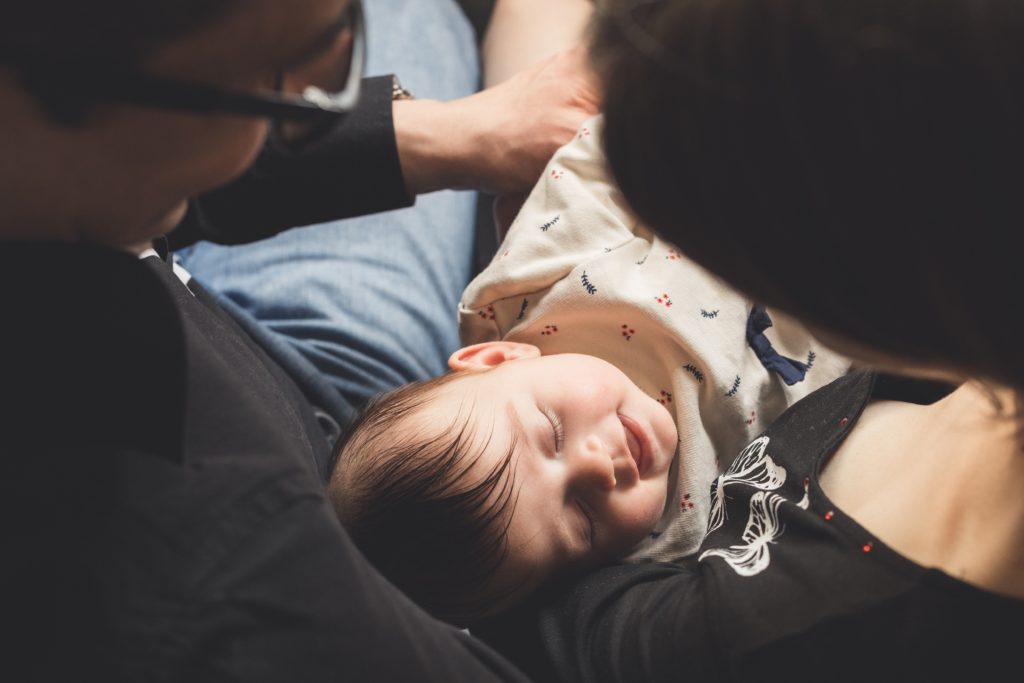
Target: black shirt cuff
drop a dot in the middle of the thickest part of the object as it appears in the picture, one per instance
(353, 170)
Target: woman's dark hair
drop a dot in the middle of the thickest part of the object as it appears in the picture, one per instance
(407, 498)
(857, 162)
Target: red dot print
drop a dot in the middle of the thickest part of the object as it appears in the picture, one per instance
(867, 547)
(845, 421)
(628, 332)
(829, 515)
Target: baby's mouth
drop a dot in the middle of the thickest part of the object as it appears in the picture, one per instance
(638, 444)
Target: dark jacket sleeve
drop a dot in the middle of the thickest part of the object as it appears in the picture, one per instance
(354, 170)
(640, 622)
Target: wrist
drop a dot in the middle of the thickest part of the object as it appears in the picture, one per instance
(429, 141)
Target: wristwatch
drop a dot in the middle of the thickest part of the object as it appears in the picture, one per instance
(398, 92)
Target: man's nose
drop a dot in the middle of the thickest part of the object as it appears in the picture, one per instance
(592, 464)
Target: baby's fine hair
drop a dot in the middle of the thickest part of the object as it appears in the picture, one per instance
(402, 491)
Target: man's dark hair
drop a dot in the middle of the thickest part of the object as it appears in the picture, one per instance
(75, 38)
(112, 32)
(406, 497)
(857, 162)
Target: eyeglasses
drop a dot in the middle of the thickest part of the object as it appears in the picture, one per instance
(328, 87)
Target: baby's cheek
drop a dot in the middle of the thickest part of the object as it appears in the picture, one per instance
(639, 514)
(655, 497)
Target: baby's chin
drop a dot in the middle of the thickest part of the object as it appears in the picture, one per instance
(635, 542)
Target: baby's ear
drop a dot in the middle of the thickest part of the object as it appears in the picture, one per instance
(490, 355)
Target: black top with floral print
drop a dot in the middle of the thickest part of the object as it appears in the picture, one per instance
(784, 586)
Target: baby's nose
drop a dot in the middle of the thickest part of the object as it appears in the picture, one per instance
(595, 464)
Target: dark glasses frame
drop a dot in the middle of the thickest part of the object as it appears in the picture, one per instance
(313, 106)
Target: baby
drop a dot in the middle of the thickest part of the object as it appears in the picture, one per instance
(606, 382)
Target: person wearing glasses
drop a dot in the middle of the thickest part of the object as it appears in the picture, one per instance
(857, 164)
(355, 308)
(165, 518)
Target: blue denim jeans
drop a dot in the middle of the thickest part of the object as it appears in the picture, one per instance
(356, 307)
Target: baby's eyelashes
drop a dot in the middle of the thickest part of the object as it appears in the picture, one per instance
(557, 431)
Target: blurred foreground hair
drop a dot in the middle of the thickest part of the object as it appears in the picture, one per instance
(856, 162)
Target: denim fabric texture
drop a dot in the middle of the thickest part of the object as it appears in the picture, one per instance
(356, 307)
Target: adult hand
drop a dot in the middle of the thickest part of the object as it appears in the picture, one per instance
(498, 140)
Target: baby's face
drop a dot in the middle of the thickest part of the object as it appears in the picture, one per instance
(591, 459)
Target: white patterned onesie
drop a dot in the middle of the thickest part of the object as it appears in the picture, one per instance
(578, 274)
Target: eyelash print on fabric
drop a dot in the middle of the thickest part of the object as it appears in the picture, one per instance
(811, 357)
(642, 261)
(551, 223)
(522, 309)
(709, 314)
(693, 370)
(735, 387)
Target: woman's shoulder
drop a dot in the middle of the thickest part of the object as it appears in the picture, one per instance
(824, 415)
(816, 417)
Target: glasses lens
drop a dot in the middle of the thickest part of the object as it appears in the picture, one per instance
(328, 71)
(331, 79)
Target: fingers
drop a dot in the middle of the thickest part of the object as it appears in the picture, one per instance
(498, 140)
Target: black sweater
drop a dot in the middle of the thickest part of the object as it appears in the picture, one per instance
(163, 516)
